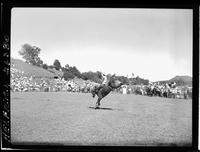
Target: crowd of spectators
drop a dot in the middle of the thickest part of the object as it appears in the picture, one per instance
(24, 83)
(21, 82)
(168, 90)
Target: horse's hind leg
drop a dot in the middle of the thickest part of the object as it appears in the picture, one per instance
(98, 103)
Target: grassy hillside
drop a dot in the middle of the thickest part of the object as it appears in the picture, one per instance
(56, 72)
(30, 69)
(180, 80)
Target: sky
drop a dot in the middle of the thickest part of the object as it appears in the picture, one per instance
(154, 44)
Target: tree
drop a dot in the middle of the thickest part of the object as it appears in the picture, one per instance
(93, 76)
(67, 75)
(39, 62)
(75, 71)
(67, 66)
(123, 79)
(57, 64)
(30, 54)
(45, 66)
(51, 66)
(62, 69)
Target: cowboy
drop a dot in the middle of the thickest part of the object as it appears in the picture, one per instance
(104, 78)
(104, 82)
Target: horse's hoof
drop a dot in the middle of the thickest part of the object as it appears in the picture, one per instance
(93, 94)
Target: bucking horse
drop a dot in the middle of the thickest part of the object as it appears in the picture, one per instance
(103, 90)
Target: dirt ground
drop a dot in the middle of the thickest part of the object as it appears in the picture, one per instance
(65, 118)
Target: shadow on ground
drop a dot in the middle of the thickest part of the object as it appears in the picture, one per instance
(101, 108)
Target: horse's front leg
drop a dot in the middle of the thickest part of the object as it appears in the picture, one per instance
(98, 103)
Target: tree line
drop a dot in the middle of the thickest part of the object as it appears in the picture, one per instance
(31, 56)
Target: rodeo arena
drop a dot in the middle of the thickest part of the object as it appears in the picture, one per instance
(23, 83)
(46, 108)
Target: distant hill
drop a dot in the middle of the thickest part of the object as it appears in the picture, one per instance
(31, 69)
(180, 80)
(183, 78)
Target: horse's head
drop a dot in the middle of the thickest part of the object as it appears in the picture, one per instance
(115, 83)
